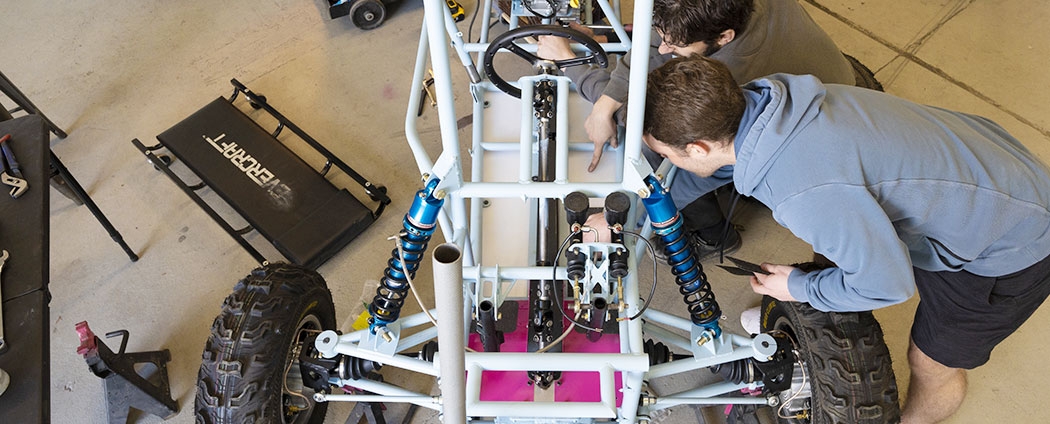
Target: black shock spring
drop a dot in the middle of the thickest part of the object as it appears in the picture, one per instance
(681, 256)
(393, 288)
(697, 294)
(419, 224)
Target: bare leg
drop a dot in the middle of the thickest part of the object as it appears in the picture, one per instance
(935, 391)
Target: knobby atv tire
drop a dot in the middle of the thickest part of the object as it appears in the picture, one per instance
(846, 359)
(253, 341)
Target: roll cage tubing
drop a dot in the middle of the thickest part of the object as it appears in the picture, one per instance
(443, 201)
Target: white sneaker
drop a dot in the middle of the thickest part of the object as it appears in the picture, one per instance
(751, 319)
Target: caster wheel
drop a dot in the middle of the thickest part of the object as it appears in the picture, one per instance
(165, 159)
(256, 105)
(367, 14)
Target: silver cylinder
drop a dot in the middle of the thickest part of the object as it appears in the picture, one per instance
(448, 297)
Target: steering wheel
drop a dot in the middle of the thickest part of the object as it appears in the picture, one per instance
(506, 40)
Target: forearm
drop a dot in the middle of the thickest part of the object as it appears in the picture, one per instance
(590, 81)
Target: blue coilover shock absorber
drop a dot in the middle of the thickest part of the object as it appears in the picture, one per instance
(681, 256)
(419, 222)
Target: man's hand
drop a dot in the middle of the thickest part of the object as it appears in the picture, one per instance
(775, 284)
(601, 232)
(601, 127)
(554, 48)
(557, 48)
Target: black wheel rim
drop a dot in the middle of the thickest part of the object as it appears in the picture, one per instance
(296, 400)
(783, 324)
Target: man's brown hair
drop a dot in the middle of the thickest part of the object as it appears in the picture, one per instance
(692, 98)
(684, 22)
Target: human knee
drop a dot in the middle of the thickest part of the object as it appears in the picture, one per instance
(923, 364)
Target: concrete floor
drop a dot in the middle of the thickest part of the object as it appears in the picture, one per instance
(111, 71)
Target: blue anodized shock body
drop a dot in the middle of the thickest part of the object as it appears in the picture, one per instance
(667, 222)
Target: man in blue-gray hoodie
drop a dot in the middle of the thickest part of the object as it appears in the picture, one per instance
(900, 196)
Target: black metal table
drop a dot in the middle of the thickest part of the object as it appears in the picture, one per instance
(24, 232)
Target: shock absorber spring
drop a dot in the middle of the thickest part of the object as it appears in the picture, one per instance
(681, 256)
(419, 225)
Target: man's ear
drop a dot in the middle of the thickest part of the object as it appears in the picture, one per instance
(700, 147)
(725, 37)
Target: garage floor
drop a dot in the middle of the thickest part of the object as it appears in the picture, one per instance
(109, 72)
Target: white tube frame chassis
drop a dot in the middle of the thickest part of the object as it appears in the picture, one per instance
(462, 231)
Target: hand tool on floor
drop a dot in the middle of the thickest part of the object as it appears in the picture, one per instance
(743, 267)
(3, 344)
(10, 173)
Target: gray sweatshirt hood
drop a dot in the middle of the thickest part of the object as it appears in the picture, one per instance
(758, 141)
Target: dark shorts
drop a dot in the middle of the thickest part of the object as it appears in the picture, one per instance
(962, 316)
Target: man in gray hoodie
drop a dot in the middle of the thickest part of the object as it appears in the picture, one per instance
(754, 38)
(900, 196)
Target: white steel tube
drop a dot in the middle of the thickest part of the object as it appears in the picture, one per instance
(541, 190)
(424, 401)
(415, 96)
(502, 146)
(434, 16)
(561, 171)
(643, 10)
(525, 142)
(448, 297)
(515, 272)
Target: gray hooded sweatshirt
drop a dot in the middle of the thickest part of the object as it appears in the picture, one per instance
(879, 184)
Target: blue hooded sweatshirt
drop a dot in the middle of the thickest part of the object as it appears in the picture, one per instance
(879, 184)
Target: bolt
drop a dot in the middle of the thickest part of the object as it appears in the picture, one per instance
(643, 193)
(704, 338)
(382, 331)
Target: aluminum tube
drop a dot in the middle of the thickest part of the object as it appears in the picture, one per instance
(415, 96)
(448, 294)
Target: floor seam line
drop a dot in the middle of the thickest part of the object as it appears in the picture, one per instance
(929, 67)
